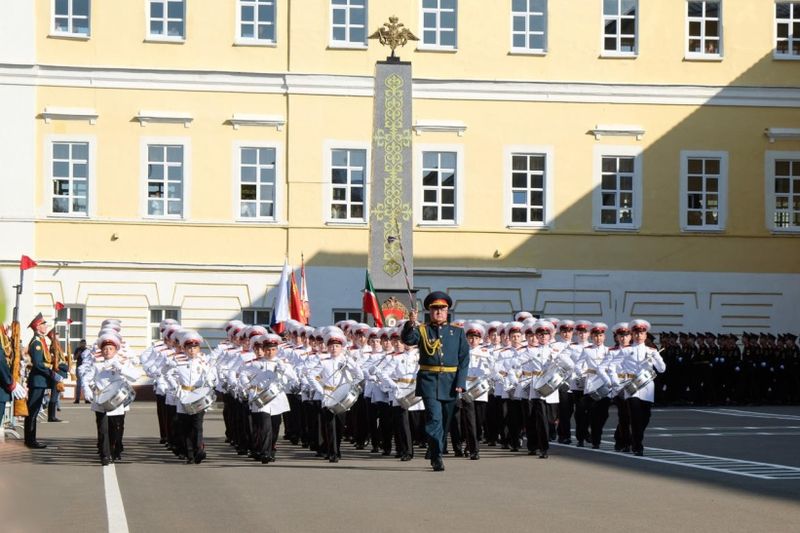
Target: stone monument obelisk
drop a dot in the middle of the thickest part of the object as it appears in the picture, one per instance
(391, 245)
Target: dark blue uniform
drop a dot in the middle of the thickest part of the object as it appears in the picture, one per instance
(441, 371)
(39, 380)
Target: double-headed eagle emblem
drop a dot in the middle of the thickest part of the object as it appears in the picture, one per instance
(393, 34)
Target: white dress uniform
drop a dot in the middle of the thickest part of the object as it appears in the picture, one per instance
(594, 364)
(100, 373)
(266, 372)
(189, 376)
(481, 366)
(636, 358)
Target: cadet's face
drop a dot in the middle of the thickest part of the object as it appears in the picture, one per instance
(41, 328)
(259, 350)
(494, 337)
(271, 352)
(598, 338)
(386, 345)
(374, 343)
(474, 341)
(583, 335)
(566, 334)
(516, 338)
(108, 351)
(543, 336)
(334, 348)
(639, 335)
(192, 351)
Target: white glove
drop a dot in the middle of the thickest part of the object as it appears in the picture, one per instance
(19, 392)
(88, 395)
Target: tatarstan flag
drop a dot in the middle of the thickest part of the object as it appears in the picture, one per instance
(370, 302)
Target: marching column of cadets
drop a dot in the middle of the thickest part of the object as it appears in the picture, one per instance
(265, 381)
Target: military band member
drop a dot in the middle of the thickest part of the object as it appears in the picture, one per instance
(335, 371)
(444, 363)
(267, 418)
(481, 367)
(637, 357)
(594, 365)
(622, 433)
(566, 399)
(40, 378)
(187, 378)
(99, 373)
(576, 380)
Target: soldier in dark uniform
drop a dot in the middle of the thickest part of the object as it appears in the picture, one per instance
(791, 356)
(443, 367)
(39, 380)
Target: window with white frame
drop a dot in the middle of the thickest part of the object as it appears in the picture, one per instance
(165, 179)
(529, 176)
(439, 177)
(349, 22)
(69, 174)
(348, 175)
(704, 177)
(619, 27)
(528, 25)
(617, 198)
(787, 29)
(157, 314)
(256, 21)
(783, 190)
(71, 17)
(439, 19)
(704, 28)
(167, 19)
(70, 327)
(257, 182)
(257, 315)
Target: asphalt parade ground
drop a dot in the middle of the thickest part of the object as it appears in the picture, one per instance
(704, 469)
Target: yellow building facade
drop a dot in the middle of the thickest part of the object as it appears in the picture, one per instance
(608, 159)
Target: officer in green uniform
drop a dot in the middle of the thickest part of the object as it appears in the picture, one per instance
(443, 367)
(39, 380)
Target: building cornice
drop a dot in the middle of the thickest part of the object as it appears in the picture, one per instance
(340, 85)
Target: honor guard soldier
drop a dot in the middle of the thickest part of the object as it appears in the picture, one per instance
(40, 378)
(9, 389)
(443, 366)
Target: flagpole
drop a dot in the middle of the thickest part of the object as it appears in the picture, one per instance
(390, 239)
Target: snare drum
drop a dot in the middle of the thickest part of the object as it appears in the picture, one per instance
(596, 388)
(642, 379)
(552, 379)
(407, 401)
(198, 400)
(118, 393)
(264, 396)
(342, 398)
(477, 390)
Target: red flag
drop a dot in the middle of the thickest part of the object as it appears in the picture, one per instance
(59, 306)
(370, 303)
(304, 291)
(295, 305)
(26, 262)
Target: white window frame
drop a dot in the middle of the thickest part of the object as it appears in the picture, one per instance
(255, 41)
(347, 43)
(461, 180)
(327, 167)
(145, 142)
(769, 188)
(236, 174)
(549, 179)
(155, 325)
(617, 151)
(702, 19)
(526, 49)
(64, 329)
(166, 37)
(436, 47)
(91, 200)
(618, 53)
(722, 192)
(349, 313)
(70, 34)
(789, 56)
